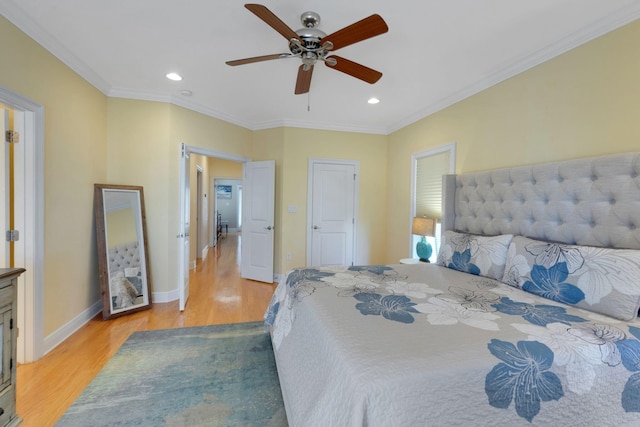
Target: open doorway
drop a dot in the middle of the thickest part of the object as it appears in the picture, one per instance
(228, 206)
(210, 204)
(258, 201)
(190, 158)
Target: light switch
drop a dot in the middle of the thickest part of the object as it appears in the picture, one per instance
(292, 209)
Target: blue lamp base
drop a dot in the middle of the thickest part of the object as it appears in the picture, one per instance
(424, 250)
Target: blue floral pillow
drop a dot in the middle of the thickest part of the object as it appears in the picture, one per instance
(479, 255)
(601, 280)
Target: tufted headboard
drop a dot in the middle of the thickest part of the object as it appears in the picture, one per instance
(124, 256)
(591, 201)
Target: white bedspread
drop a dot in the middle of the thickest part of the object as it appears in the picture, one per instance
(423, 345)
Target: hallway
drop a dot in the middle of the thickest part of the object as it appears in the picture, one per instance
(46, 388)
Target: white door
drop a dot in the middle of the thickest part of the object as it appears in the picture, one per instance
(184, 230)
(258, 198)
(332, 193)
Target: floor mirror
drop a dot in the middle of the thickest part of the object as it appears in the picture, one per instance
(123, 260)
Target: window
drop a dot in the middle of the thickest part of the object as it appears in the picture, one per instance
(428, 168)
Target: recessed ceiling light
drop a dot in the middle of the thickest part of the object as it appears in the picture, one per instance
(373, 100)
(174, 76)
(185, 92)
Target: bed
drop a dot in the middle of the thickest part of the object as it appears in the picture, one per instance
(530, 316)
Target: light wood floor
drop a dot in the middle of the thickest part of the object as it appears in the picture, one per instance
(46, 388)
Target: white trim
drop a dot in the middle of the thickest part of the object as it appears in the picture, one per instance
(190, 149)
(183, 219)
(33, 306)
(69, 328)
(305, 124)
(451, 148)
(356, 201)
(161, 297)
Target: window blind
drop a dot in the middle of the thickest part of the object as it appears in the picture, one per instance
(429, 171)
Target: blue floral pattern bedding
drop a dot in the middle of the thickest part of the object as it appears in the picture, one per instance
(410, 344)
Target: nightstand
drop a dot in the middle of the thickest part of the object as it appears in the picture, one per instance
(409, 261)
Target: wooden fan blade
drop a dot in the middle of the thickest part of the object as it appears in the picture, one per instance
(303, 83)
(354, 69)
(257, 59)
(369, 27)
(272, 20)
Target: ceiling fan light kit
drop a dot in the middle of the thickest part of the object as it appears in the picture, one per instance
(312, 45)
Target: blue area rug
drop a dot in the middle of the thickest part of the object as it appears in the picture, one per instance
(221, 375)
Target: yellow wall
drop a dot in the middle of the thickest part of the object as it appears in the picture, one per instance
(583, 103)
(144, 149)
(139, 154)
(75, 148)
(221, 168)
(300, 145)
(291, 149)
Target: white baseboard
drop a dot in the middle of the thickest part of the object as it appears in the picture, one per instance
(56, 338)
(160, 297)
(205, 251)
(53, 340)
(193, 265)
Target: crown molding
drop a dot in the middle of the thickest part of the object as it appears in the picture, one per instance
(18, 18)
(317, 126)
(614, 21)
(622, 17)
(171, 99)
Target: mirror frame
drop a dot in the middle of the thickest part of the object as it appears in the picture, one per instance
(108, 311)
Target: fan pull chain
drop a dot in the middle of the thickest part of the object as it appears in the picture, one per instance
(308, 101)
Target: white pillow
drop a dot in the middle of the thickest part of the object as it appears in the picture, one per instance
(131, 271)
(480, 255)
(601, 280)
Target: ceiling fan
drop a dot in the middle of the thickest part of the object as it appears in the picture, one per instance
(312, 45)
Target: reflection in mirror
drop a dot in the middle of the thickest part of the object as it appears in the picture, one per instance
(122, 249)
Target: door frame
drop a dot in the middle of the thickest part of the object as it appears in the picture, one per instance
(31, 296)
(184, 198)
(356, 201)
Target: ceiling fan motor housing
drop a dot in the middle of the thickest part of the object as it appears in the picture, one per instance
(309, 43)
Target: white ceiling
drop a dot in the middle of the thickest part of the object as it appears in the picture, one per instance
(436, 52)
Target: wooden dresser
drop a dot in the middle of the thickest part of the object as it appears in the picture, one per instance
(8, 336)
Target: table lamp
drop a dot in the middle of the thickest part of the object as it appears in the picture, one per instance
(423, 227)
